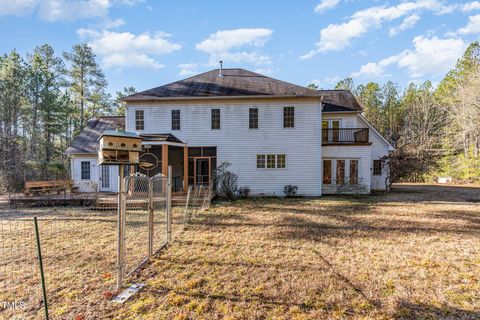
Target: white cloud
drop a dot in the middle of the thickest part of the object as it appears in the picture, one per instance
(225, 40)
(408, 23)
(471, 6)
(472, 27)
(240, 57)
(124, 49)
(63, 10)
(236, 46)
(17, 7)
(188, 69)
(328, 82)
(375, 69)
(431, 56)
(130, 2)
(325, 5)
(112, 24)
(336, 37)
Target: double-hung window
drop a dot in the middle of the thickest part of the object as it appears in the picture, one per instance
(253, 118)
(139, 120)
(377, 167)
(288, 117)
(215, 119)
(85, 170)
(175, 119)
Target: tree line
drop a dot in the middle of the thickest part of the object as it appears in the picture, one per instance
(435, 130)
(47, 98)
(45, 101)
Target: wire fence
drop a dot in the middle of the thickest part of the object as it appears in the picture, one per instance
(79, 257)
(80, 249)
(198, 199)
(146, 227)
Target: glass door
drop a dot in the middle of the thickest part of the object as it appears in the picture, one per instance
(104, 178)
(202, 171)
(331, 130)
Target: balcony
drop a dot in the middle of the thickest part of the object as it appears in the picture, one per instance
(345, 136)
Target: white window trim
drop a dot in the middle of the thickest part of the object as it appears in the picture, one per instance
(294, 117)
(258, 118)
(135, 119)
(179, 118)
(220, 118)
(89, 170)
(330, 120)
(276, 162)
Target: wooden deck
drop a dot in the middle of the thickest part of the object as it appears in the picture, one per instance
(66, 199)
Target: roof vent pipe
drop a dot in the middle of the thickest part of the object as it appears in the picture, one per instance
(221, 68)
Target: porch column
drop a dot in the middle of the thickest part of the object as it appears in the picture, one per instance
(165, 159)
(185, 168)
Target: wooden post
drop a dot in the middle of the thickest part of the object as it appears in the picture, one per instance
(185, 168)
(150, 218)
(169, 204)
(165, 159)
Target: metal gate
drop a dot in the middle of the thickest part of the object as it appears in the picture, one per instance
(144, 221)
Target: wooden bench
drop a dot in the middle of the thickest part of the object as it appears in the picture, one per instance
(44, 187)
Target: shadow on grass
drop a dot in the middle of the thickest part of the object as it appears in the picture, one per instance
(406, 310)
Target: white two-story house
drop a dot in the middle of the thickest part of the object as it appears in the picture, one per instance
(273, 134)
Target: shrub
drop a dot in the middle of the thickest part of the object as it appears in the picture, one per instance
(226, 181)
(290, 190)
(243, 192)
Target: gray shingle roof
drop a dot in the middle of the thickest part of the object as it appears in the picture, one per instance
(240, 83)
(87, 140)
(233, 83)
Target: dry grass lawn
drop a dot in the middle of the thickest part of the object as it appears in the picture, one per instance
(412, 254)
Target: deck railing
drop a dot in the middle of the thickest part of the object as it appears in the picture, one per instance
(345, 136)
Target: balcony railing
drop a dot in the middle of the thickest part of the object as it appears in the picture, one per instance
(345, 136)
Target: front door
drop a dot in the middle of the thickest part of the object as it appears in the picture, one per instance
(202, 171)
(104, 178)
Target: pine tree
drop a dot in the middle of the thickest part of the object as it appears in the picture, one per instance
(119, 108)
(85, 78)
(12, 103)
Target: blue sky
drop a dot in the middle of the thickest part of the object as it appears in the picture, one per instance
(144, 43)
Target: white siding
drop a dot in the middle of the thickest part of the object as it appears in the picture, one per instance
(361, 153)
(76, 172)
(239, 145)
(379, 150)
(92, 184)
